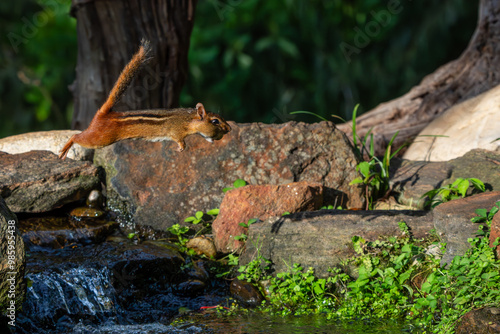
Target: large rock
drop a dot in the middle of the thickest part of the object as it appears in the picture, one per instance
(452, 221)
(159, 186)
(52, 141)
(39, 181)
(12, 265)
(412, 179)
(323, 239)
(261, 202)
(469, 125)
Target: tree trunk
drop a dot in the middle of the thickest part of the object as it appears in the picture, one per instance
(109, 33)
(476, 71)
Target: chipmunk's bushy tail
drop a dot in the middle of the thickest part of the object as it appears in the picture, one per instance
(141, 57)
(129, 72)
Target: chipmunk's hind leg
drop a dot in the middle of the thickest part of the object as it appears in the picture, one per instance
(65, 149)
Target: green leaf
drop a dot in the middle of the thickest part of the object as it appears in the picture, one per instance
(364, 168)
(251, 221)
(354, 134)
(308, 113)
(319, 287)
(478, 184)
(239, 183)
(288, 47)
(482, 212)
(356, 181)
(462, 187)
(199, 215)
(244, 60)
(213, 212)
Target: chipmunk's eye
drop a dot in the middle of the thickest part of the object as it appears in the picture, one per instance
(215, 121)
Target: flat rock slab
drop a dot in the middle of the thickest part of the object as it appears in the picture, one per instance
(159, 186)
(452, 221)
(58, 232)
(412, 179)
(322, 239)
(38, 181)
(52, 141)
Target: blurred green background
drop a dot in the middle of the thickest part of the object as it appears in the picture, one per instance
(251, 60)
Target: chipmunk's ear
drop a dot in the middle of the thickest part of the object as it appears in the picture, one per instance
(200, 109)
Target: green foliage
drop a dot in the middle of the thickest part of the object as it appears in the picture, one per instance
(199, 217)
(486, 216)
(457, 189)
(397, 278)
(243, 236)
(299, 292)
(292, 60)
(233, 260)
(256, 270)
(179, 231)
(38, 58)
(375, 172)
(236, 184)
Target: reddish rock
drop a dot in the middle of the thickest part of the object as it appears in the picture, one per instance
(155, 185)
(495, 231)
(39, 181)
(261, 202)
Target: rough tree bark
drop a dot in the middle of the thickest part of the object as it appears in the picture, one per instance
(474, 72)
(109, 32)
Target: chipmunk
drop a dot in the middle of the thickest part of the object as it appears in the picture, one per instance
(108, 126)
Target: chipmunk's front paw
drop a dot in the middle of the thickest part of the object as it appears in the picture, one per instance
(181, 146)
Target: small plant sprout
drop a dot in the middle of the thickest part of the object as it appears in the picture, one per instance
(243, 236)
(199, 217)
(236, 184)
(375, 172)
(179, 231)
(457, 189)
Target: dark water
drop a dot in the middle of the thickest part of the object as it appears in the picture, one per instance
(262, 323)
